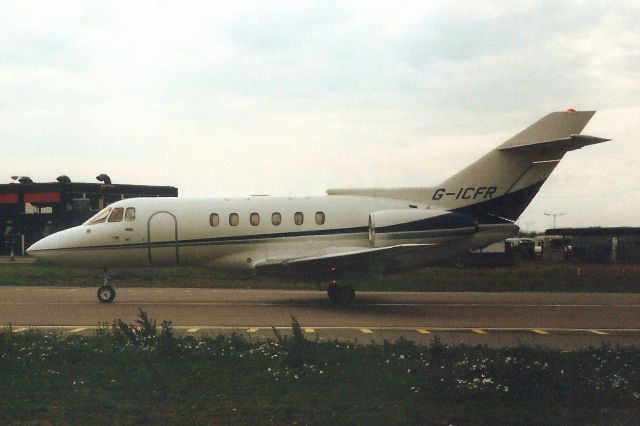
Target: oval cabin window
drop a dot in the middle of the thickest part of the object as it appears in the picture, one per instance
(319, 218)
(234, 219)
(276, 218)
(214, 219)
(254, 219)
(298, 218)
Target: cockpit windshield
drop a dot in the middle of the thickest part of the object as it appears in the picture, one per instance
(116, 215)
(110, 214)
(100, 217)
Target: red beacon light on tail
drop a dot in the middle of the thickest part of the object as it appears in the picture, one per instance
(571, 111)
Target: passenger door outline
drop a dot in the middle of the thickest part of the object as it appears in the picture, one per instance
(167, 251)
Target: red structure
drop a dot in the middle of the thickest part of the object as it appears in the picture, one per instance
(29, 211)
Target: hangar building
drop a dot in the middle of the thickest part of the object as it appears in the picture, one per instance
(602, 244)
(30, 211)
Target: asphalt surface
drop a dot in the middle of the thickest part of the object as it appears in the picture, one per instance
(562, 320)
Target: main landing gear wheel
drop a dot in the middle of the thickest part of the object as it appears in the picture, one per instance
(106, 294)
(341, 295)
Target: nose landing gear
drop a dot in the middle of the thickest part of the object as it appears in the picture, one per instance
(107, 292)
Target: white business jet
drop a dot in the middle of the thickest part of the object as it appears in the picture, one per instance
(337, 237)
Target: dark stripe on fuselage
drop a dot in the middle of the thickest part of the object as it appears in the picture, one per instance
(444, 221)
(449, 222)
(219, 240)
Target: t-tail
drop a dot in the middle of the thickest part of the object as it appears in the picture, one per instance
(499, 186)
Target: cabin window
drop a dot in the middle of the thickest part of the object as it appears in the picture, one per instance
(116, 215)
(319, 218)
(214, 219)
(254, 219)
(99, 217)
(130, 214)
(298, 218)
(276, 218)
(234, 219)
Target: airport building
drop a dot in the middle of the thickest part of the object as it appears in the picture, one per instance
(30, 211)
(601, 244)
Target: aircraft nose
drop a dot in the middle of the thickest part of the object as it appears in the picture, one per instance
(33, 248)
(39, 247)
(51, 248)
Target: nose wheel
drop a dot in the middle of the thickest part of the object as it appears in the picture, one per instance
(107, 292)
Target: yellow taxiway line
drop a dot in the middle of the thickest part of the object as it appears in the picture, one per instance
(540, 331)
(362, 328)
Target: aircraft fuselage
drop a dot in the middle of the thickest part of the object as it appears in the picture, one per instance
(238, 233)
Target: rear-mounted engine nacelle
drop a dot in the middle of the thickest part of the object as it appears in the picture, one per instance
(412, 225)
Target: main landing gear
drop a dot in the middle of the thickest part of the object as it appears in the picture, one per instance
(107, 292)
(340, 294)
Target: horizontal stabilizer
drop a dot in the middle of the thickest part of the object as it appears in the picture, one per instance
(565, 144)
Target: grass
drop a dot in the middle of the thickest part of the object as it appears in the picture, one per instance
(143, 374)
(527, 276)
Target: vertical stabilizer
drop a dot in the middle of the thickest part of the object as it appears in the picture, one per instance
(501, 184)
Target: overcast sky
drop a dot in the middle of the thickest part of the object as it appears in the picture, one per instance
(292, 98)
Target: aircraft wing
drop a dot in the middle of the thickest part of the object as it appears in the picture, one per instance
(355, 260)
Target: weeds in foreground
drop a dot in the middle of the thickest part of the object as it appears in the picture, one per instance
(142, 369)
(145, 334)
(296, 347)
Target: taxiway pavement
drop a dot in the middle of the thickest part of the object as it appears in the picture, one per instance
(563, 320)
